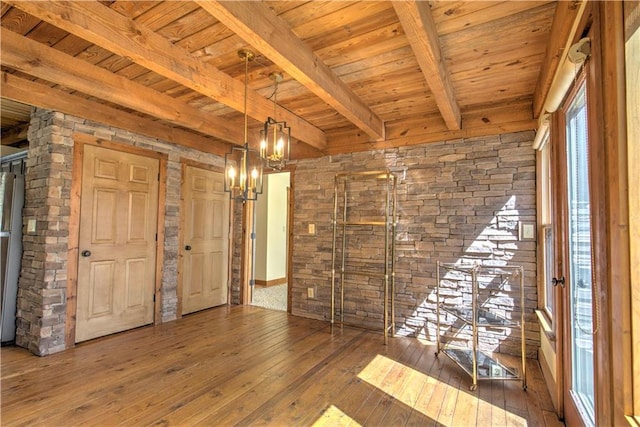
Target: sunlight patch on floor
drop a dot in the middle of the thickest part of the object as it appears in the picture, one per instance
(335, 417)
(424, 393)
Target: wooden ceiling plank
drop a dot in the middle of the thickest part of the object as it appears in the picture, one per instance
(36, 59)
(368, 45)
(259, 26)
(42, 96)
(72, 45)
(523, 28)
(19, 21)
(420, 29)
(164, 13)
(203, 42)
(47, 34)
(132, 8)
(343, 19)
(359, 27)
(458, 16)
(120, 35)
(187, 25)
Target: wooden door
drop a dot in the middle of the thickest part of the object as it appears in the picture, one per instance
(205, 253)
(117, 242)
(579, 198)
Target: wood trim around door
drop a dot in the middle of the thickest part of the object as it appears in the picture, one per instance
(247, 219)
(162, 198)
(79, 141)
(558, 209)
(246, 256)
(291, 199)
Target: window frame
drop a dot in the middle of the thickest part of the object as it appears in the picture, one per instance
(546, 296)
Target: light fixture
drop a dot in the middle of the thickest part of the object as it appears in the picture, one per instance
(243, 165)
(275, 138)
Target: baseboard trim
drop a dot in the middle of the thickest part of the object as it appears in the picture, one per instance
(274, 282)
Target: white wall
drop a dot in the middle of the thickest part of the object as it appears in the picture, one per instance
(261, 231)
(271, 228)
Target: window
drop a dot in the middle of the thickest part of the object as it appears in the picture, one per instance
(546, 300)
(548, 294)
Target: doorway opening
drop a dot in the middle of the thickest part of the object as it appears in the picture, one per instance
(271, 285)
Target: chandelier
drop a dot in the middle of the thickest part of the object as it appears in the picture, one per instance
(275, 137)
(243, 165)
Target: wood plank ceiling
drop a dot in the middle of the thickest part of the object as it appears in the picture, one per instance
(357, 75)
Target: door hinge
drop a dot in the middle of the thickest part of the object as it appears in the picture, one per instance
(156, 237)
(158, 176)
(154, 297)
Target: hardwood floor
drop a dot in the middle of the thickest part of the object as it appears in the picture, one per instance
(250, 366)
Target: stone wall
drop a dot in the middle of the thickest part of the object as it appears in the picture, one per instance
(458, 202)
(42, 307)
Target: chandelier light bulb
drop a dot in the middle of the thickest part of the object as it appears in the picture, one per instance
(232, 175)
(280, 148)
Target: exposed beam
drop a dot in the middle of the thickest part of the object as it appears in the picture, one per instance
(417, 22)
(259, 26)
(482, 120)
(15, 134)
(40, 61)
(107, 28)
(39, 95)
(563, 31)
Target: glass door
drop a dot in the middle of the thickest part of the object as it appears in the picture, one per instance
(580, 268)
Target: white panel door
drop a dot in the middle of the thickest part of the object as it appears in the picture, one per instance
(206, 240)
(117, 244)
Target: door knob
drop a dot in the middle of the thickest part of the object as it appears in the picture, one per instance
(187, 248)
(86, 253)
(557, 282)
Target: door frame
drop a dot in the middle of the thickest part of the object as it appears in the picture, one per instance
(184, 163)
(607, 181)
(569, 410)
(247, 256)
(79, 142)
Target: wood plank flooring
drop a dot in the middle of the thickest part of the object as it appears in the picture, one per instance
(249, 366)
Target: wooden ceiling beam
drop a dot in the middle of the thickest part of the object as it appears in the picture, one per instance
(480, 121)
(38, 60)
(14, 134)
(107, 28)
(39, 95)
(417, 22)
(255, 23)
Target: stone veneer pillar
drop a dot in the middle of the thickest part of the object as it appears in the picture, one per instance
(41, 310)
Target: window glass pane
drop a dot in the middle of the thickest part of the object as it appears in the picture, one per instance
(580, 261)
(547, 234)
(548, 270)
